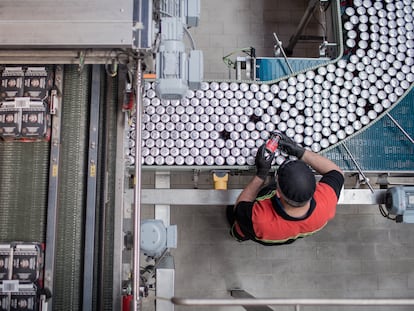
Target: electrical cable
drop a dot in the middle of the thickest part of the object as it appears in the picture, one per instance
(190, 37)
(113, 71)
(385, 214)
(229, 63)
(156, 43)
(114, 60)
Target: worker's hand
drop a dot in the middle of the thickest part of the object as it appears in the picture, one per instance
(263, 162)
(286, 144)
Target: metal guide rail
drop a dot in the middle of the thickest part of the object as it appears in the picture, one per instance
(224, 122)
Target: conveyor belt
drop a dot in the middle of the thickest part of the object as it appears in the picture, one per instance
(274, 68)
(72, 192)
(24, 190)
(24, 168)
(382, 147)
(107, 199)
(24, 180)
(223, 123)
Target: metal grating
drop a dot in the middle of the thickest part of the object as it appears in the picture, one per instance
(382, 147)
(103, 282)
(272, 68)
(24, 181)
(72, 191)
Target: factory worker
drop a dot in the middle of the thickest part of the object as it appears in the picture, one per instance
(294, 205)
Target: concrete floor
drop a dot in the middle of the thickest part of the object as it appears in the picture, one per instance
(359, 254)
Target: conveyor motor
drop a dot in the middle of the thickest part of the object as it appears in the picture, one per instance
(400, 202)
(177, 70)
(156, 238)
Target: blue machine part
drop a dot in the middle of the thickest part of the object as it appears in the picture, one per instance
(272, 68)
(156, 238)
(400, 202)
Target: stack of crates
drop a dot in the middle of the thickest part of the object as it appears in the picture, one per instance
(21, 276)
(24, 103)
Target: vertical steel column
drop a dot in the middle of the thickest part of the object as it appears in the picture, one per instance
(137, 302)
(88, 264)
(50, 252)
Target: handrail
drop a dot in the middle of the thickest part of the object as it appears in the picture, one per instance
(137, 189)
(291, 302)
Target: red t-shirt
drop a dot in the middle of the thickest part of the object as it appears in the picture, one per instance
(266, 222)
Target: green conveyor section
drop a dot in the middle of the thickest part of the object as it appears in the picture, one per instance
(24, 171)
(72, 189)
(106, 201)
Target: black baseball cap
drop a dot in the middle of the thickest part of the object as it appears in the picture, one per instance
(296, 182)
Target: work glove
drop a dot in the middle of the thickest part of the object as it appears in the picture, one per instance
(263, 162)
(287, 145)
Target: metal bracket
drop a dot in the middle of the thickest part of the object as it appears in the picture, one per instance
(359, 180)
(324, 47)
(196, 175)
(382, 181)
(81, 58)
(365, 178)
